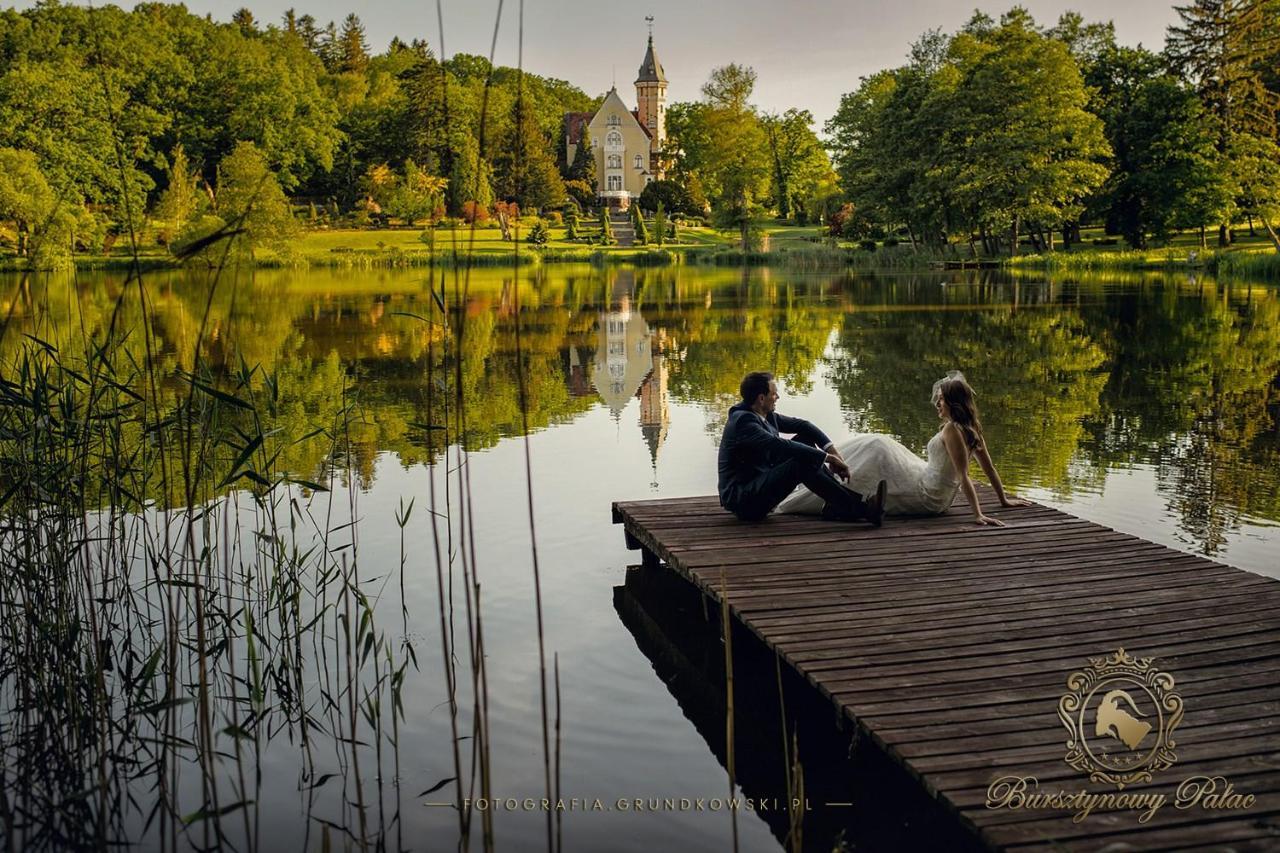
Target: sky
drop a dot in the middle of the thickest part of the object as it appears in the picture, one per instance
(807, 53)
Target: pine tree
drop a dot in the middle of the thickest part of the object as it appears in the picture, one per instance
(584, 161)
(243, 19)
(637, 219)
(524, 169)
(310, 34)
(353, 52)
(659, 225)
(328, 48)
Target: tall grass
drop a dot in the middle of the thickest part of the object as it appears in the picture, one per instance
(1255, 265)
(177, 603)
(1089, 260)
(158, 627)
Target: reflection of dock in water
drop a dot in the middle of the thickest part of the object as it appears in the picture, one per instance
(854, 793)
(949, 646)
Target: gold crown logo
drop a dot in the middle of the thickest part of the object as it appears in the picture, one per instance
(1120, 713)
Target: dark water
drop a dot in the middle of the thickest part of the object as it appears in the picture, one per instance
(1149, 404)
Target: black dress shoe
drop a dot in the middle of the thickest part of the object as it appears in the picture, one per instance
(873, 507)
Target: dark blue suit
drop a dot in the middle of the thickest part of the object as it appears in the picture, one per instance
(758, 467)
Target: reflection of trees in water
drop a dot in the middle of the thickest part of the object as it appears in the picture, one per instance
(1036, 373)
(307, 352)
(1072, 378)
(1194, 390)
(758, 325)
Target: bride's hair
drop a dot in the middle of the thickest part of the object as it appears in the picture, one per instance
(960, 401)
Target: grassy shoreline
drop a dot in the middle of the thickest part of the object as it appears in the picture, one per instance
(788, 246)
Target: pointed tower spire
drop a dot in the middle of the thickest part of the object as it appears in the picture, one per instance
(650, 67)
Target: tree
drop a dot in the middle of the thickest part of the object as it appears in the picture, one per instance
(180, 199)
(799, 163)
(606, 230)
(42, 219)
(250, 198)
(734, 158)
(571, 223)
(539, 234)
(670, 195)
(637, 221)
(583, 167)
(580, 193)
(1036, 151)
(243, 19)
(659, 225)
(411, 196)
(985, 130)
(1166, 174)
(353, 50)
(524, 169)
(729, 88)
(266, 90)
(1228, 49)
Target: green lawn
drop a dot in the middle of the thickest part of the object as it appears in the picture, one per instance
(377, 246)
(318, 246)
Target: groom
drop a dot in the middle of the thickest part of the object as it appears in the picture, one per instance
(758, 467)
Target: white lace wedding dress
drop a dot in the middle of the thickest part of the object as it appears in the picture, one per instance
(915, 486)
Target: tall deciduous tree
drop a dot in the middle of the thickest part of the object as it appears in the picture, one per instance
(986, 130)
(723, 144)
(1166, 173)
(42, 220)
(799, 163)
(250, 198)
(1228, 49)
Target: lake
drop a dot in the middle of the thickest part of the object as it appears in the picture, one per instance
(474, 427)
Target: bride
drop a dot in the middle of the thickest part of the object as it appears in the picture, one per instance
(917, 486)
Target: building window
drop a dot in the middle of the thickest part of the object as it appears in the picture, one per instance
(615, 182)
(614, 139)
(614, 161)
(639, 161)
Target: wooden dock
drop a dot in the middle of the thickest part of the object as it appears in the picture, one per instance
(950, 645)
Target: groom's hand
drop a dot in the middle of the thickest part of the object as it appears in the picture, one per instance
(837, 466)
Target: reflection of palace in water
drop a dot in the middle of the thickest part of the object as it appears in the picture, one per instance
(629, 363)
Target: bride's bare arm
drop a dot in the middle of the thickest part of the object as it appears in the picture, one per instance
(989, 468)
(954, 441)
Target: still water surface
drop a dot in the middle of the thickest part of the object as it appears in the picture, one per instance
(1148, 404)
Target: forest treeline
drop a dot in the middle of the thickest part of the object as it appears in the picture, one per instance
(1007, 128)
(1003, 131)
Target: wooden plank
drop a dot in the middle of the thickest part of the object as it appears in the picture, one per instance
(948, 645)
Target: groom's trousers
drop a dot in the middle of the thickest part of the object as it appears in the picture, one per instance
(756, 498)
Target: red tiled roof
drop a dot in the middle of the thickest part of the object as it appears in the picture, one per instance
(573, 124)
(636, 113)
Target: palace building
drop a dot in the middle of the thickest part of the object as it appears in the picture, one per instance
(626, 142)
